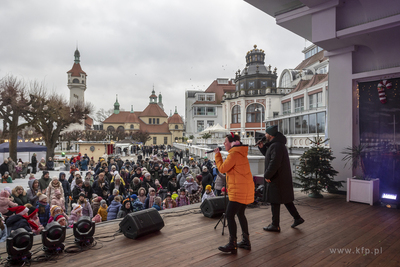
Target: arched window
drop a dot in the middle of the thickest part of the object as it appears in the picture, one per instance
(253, 113)
(132, 127)
(75, 81)
(236, 114)
(110, 129)
(121, 128)
(285, 80)
(176, 127)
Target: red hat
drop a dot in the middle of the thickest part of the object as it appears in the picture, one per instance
(19, 210)
(59, 218)
(223, 189)
(99, 199)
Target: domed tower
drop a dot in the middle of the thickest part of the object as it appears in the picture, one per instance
(116, 105)
(256, 78)
(76, 81)
(160, 103)
(153, 97)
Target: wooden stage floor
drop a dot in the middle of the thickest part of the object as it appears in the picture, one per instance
(335, 233)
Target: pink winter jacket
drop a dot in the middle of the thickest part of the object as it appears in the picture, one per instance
(5, 202)
(58, 202)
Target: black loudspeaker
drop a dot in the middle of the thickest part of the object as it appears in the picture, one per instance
(214, 206)
(141, 223)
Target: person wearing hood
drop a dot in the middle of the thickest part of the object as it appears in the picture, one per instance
(240, 186)
(181, 178)
(164, 178)
(113, 209)
(156, 172)
(58, 200)
(207, 194)
(6, 178)
(44, 181)
(207, 178)
(118, 184)
(6, 202)
(19, 220)
(148, 203)
(66, 187)
(32, 191)
(42, 164)
(19, 195)
(278, 181)
(54, 185)
(96, 203)
(77, 175)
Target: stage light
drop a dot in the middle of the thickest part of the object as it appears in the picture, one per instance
(19, 244)
(53, 237)
(84, 231)
(390, 200)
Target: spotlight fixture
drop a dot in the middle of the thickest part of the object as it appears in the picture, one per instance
(84, 231)
(53, 237)
(390, 200)
(19, 244)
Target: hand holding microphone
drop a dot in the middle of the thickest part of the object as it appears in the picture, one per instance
(216, 150)
(260, 143)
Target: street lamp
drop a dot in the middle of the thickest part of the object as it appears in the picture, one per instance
(243, 133)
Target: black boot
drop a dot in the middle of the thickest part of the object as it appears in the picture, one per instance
(245, 243)
(230, 247)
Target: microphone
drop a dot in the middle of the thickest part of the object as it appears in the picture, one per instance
(211, 151)
(262, 140)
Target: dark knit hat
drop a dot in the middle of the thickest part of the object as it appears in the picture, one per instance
(82, 194)
(272, 130)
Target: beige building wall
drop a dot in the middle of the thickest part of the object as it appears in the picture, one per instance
(160, 139)
(99, 150)
(146, 119)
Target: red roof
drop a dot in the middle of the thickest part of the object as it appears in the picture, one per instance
(76, 70)
(153, 110)
(89, 121)
(176, 119)
(316, 79)
(123, 117)
(219, 90)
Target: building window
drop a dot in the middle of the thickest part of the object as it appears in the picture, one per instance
(304, 126)
(321, 122)
(75, 81)
(251, 85)
(312, 123)
(285, 80)
(201, 97)
(299, 104)
(211, 111)
(297, 124)
(110, 129)
(264, 84)
(315, 100)
(210, 123)
(132, 126)
(165, 140)
(200, 126)
(253, 113)
(158, 121)
(150, 121)
(291, 125)
(236, 114)
(154, 140)
(154, 121)
(176, 127)
(275, 114)
(210, 97)
(121, 128)
(286, 108)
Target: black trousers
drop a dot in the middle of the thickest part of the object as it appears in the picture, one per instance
(276, 210)
(236, 208)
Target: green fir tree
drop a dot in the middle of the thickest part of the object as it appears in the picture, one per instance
(315, 171)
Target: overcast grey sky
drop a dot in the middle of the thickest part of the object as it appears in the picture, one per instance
(127, 46)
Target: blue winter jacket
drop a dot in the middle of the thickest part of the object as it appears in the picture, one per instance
(137, 205)
(44, 217)
(113, 210)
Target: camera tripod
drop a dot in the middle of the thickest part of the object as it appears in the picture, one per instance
(223, 216)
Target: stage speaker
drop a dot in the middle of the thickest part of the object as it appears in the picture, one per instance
(141, 223)
(214, 206)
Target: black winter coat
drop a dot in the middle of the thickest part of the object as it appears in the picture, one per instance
(147, 184)
(15, 222)
(277, 169)
(121, 189)
(98, 190)
(3, 168)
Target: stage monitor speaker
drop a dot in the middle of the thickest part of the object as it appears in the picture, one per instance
(212, 207)
(141, 223)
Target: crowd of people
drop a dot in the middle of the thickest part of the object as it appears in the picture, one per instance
(106, 190)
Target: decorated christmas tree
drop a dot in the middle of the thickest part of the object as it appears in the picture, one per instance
(315, 171)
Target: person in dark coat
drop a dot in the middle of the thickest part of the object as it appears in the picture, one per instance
(44, 181)
(50, 164)
(147, 182)
(278, 178)
(66, 187)
(100, 186)
(207, 178)
(34, 163)
(4, 167)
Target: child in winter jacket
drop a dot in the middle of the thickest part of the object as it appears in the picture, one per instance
(34, 221)
(58, 200)
(44, 209)
(208, 193)
(182, 200)
(55, 211)
(86, 208)
(53, 186)
(5, 202)
(76, 214)
(113, 209)
(96, 204)
(157, 204)
(6, 178)
(103, 210)
(168, 202)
